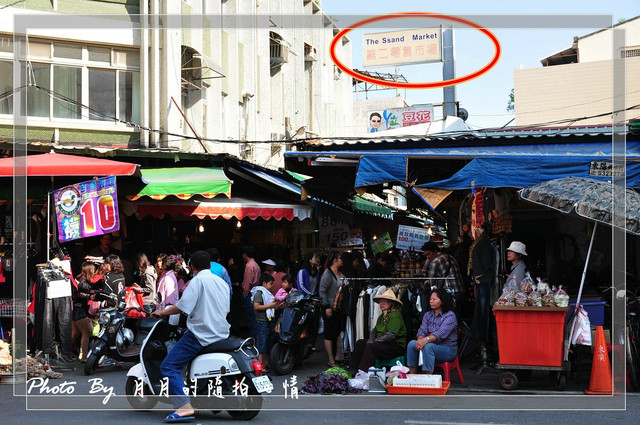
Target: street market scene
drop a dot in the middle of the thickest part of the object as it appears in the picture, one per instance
(293, 211)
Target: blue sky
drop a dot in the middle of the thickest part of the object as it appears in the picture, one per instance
(485, 98)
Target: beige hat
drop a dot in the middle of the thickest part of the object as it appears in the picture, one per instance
(518, 247)
(387, 295)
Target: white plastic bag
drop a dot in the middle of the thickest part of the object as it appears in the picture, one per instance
(581, 328)
(360, 381)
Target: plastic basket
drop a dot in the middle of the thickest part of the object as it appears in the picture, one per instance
(530, 336)
(394, 389)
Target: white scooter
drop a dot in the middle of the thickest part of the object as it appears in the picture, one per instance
(225, 375)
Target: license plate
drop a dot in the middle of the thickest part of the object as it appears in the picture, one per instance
(263, 384)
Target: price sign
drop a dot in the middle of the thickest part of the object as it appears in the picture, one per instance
(382, 244)
(333, 232)
(355, 238)
(87, 209)
(411, 238)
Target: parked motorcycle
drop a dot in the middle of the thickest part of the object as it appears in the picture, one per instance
(219, 370)
(114, 340)
(296, 332)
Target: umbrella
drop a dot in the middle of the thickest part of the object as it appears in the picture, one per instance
(589, 198)
(57, 164)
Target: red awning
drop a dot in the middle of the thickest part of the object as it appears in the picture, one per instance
(226, 208)
(57, 164)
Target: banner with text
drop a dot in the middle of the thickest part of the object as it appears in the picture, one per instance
(332, 232)
(87, 209)
(411, 238)
(401, 47)
(399, 117)
(382, 243)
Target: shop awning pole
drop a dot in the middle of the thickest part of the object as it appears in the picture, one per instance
(586, 264)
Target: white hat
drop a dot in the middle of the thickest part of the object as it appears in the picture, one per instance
(269, 262)
(518, 247)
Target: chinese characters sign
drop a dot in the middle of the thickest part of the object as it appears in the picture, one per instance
(400, 117)
(382, 243)
(87, 209)
(606, 169)
(411, 238)
(401, 47)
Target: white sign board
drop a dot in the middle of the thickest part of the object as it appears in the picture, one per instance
(411, 238)
(333, 232)
(402, 47)
(400, 117)
(355, 238)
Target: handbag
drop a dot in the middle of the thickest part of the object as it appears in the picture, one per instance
(94, 309)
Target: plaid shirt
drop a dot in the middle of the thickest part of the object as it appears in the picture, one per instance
(444, 265)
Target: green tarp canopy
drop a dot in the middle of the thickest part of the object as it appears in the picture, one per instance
(182, 183)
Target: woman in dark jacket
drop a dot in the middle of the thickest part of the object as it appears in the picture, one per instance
(81, 323)
(329, 285)
(114, 282)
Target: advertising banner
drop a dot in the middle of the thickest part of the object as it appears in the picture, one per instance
(382, 243)
(87, 209)
(411, 238)
(399, 117)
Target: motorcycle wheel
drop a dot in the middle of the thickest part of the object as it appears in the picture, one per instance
(139, 401)
(91, 365)
(255, 404)
(282, 358)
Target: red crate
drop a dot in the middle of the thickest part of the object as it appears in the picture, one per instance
(393, 389)
(530, 336)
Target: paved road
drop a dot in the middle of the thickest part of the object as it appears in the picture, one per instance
(474, 402)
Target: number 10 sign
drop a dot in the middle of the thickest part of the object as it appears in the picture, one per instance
(87, 209)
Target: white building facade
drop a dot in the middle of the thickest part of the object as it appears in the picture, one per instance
(237, 77)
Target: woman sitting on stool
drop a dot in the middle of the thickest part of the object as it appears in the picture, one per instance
(437, 336)
(386, 340)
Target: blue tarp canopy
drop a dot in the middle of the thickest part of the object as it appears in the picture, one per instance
(519, 172)
(498, 166)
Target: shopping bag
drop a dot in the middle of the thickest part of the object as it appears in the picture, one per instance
(581, 328)
(134, 304)
(94, 309)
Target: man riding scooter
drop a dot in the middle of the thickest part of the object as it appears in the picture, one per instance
(206, 302)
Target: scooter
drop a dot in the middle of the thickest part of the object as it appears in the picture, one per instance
(114, 340)
(296, 332)
(225, 375)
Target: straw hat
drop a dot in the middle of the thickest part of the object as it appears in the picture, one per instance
(387, 295)
(518, 247)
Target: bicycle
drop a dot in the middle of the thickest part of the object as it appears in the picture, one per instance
(631, 334)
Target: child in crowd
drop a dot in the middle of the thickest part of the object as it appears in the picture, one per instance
(287, 287)
(264, 304)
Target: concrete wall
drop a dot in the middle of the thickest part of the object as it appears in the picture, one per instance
(572, 91)
(599, 46)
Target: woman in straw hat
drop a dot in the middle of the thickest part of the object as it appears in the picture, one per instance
(438, 335)
(386, 340)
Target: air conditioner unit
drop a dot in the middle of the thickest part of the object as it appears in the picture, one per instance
(279, 54)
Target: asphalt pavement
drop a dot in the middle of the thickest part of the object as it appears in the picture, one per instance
(76, 398)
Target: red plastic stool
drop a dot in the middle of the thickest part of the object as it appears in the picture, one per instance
(448, 367)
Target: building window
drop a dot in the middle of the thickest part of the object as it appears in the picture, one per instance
(74, 82)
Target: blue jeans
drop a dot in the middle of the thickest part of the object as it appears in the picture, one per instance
(483, 309)
(181, 354)
(249, 314)
(264, 336)
(431, 354)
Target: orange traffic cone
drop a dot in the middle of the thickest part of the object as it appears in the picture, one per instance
(601, 381)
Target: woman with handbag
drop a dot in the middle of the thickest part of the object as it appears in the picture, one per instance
(329, 287)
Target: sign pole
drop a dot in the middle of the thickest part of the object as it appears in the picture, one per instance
(448, 72)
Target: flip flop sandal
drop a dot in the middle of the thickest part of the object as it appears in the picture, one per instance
(175, 418)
